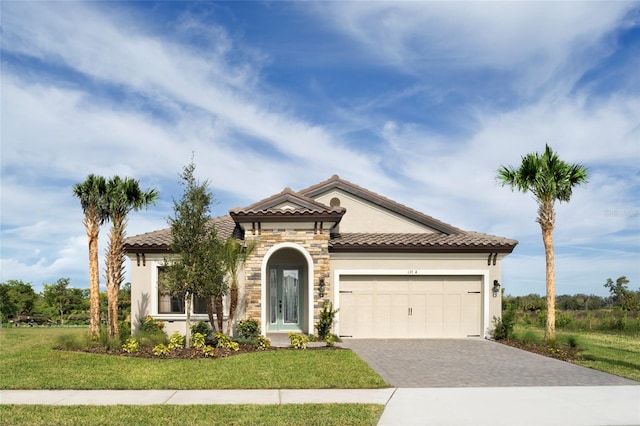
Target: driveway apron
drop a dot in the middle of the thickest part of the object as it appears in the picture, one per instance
(426, 363)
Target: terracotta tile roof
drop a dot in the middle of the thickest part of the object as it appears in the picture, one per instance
(161, 240)
(335, 182)
(463, 241)
(307, 208)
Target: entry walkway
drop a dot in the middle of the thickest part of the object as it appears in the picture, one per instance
(540, 406)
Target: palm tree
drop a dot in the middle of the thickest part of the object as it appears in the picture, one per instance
(122, 196)
(549, 179)
(235, 255)
(91, 193)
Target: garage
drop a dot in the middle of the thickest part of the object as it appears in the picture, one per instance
(410, 306)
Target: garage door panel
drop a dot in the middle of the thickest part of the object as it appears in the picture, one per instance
(415, 306)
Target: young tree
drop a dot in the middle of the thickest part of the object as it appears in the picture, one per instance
(621, 296)
(197, 268)
(235, 256)
(122, 196)
(91, 193)
(63, 298)
(548, 179)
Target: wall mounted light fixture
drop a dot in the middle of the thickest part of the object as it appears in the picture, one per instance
(496, 288)
(321, 288)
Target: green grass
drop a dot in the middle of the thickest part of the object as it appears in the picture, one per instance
(614, 353)
(27, 361)
(167, 415)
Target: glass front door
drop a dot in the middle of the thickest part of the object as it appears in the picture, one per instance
(285, 298)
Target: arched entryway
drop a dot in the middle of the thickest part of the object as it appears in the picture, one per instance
(286, 287)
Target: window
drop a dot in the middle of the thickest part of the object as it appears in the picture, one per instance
(168, 304)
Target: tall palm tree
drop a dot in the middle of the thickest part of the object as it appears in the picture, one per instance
(549, 179)
(91, 193)
(235, 255)
(122, 196)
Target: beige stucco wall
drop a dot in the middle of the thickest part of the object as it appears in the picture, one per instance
(362, 216)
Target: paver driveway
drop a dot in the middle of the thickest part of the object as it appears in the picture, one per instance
(423, 363)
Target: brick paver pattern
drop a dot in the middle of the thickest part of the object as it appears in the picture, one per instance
(424, 363)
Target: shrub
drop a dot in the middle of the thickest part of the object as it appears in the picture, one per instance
(150, 325)
(331, 339)
(208, 351)
(504, 326)
(572, 341)
(149, 340)
(131, 345)
(529, 337)
(564, 319)
(161, 350)
(201, 327)
(70, 341)
(125, 330)
(262, 343)
(198, 340)
(176, 341)
(223, 341)
(326, 320)
(248, 328)
(298, 341)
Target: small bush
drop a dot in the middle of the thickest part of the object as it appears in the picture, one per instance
(161, 350)
(149, 340)
(504, 326)
(202, 328)
(262, 343)
(248, 328)
(176, 341)
(564, 319)
(223, 341)
(208, 351)
(330, 340)
(326, 320)
(529, 337)
(572, 341)
(198, 340)
(298, 341)
(131, 346)
(151, 326)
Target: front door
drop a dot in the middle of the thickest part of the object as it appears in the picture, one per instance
(285, 298)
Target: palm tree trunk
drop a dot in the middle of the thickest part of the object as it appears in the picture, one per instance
(547, 239)
(94, 282)
(112, 296)
(233, 304)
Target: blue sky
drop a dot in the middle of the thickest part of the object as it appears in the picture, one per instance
(418, 101)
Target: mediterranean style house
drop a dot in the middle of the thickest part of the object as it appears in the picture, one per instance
(391, 271)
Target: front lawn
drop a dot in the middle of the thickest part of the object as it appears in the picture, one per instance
(27, 361)
(167, 415)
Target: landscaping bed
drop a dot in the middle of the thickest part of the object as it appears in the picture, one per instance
(563, 353)
(188, 353)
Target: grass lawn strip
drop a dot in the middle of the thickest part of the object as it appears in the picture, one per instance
(610, 352)
(27, 361)
(167, 415)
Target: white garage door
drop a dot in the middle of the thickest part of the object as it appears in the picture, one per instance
(410, 306)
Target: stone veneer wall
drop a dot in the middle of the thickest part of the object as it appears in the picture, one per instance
(316, 244)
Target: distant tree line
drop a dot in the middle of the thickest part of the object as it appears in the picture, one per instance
(620, 297)
(58, 303)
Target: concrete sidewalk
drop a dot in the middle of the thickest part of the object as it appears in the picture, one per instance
(541, 406)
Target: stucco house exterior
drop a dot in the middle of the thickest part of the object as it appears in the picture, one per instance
(392, 271)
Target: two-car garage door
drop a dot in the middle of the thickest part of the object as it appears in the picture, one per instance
(410, 306)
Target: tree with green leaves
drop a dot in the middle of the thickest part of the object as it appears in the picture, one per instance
(122, 196)
(62, 297)
(621, 296)
(91, 193)
(197, 268)
(16, 298)
(235, 256)
(548, 179)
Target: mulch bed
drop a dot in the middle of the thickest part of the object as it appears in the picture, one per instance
(184, 353)
(563, 353)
